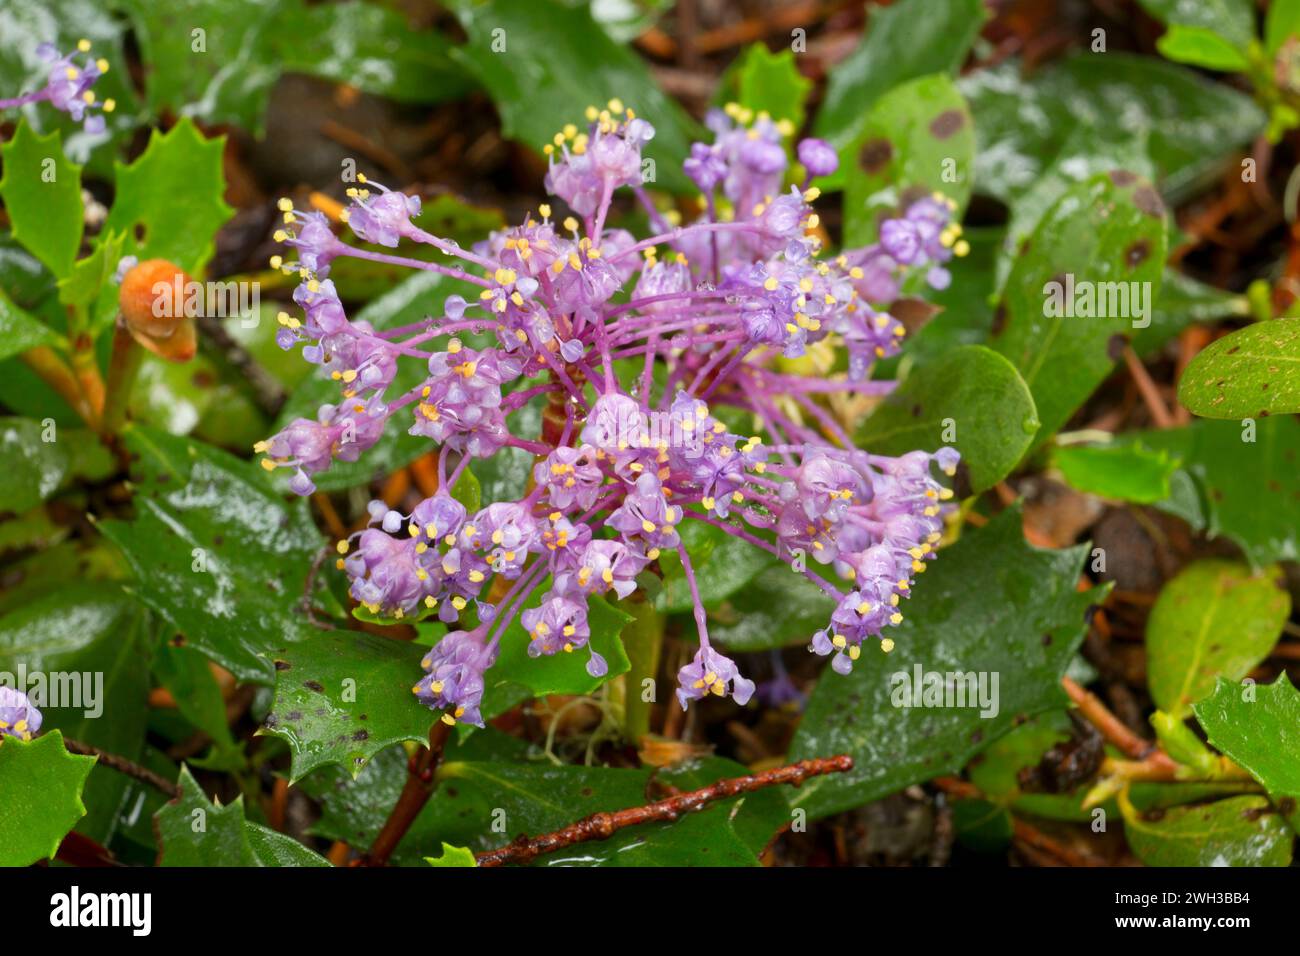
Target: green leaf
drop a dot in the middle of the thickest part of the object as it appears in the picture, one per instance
(20, 331)
(777, 608)
(248, 44)
(1215, 619)
(903, 41)
(34, 468)
(271, 848)
(771, 83)
(92, 276)
(1103, 236)
(168, 201)
(918, 137)
(409, 301)
(1238, 480)
(1121, 472)
(1086, 153)
(1239, 831)
(990, 604)
(1233, 21)
(85, 641)
(997, 771)
(1281, 24)
(40, 789)
(216, 552)
(343, 696)
(42, 195)
(1258, 726)
(971, 393)
(1254, 371)
(193, 831)
(536, 88)
(1199, 46)
(453, 856)
(1192, 125)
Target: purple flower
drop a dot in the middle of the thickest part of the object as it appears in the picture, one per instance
(505, 532)
(560, 624)
(818, 157)
(646, 517)
(453, 680)
(705, 166)
(68, 86)
(18, 716)
(570, 476)
(460, 402)
(384, 219)
(712, 673)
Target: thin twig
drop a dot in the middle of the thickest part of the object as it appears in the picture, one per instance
(1112, 728)
(418, 789)
(122, 765)
(601, 826)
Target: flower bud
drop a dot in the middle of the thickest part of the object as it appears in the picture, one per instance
(153, 307)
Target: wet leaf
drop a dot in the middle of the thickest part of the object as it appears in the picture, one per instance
(523, 53)
(1081, 285)
(20, 331)
(1215, 619)
(216, 551)
(1259, 728)
(902, 42)
(83, 646)
(1231, 20)
(1252, 372)
(988, 605)
(40, 789)
(1239, 480)
(722, 563)
(343, 696)
(1239, 831)
(973, 395)
(779, 607)
(917, 138)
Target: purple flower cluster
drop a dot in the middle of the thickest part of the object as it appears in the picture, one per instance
(642, 396)
(18, 717)
(68, 86)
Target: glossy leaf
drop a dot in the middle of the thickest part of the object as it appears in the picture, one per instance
(1103, 237)
(1259, 728)
(343, 696)
(536, 88)
(722, 563)
(83, 645)
(35, 468)
(455, 856)
(177, 179)
(272, 848)
(779, 607)
(917, 138)
(1193, 125)
(1231, 20)
(42, 197)
(1249, 373)
(989, 604)
(972, 394)
(216, 552)
(1239, 831)
(1199, 46)
(1215, 619)
(40, 789)
(902, 42)
(1122, 472)
(1238, 480)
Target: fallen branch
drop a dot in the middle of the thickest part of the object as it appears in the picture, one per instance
(601, 826)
